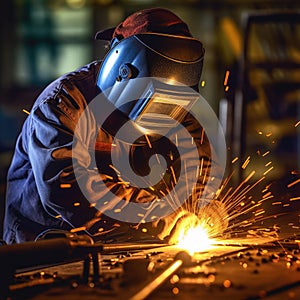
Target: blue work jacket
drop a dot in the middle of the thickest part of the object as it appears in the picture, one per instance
(42, 191)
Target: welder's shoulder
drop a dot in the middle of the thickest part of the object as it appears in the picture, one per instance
(82, 81)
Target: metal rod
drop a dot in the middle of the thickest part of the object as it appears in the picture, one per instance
(160, 279)
(180, 258)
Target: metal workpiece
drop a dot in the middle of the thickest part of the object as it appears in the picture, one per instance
(233, 269)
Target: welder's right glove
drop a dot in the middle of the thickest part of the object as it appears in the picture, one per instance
(212, 217)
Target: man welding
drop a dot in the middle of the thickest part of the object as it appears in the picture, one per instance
(89, 127)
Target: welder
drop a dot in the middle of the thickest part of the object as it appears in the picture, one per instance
(63, 174)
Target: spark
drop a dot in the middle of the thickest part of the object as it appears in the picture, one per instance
(234, 160)
(115, 169)
(297, 124)
(175, 290)
(226, 78)
(293, 183)
(260, 212)
(202, 83)
(266, 153)
(246, 162)
(76, 204)
(26, 111)
(202, 137)
(127, 183)
(148, 141)
(270, 169)
(201, 166)
(245, 265)
(173, 174)
(174, 279)
(65, 185)
(295, 199)
(267, 194)
(227, 283)
(78, 229)
(205, 174)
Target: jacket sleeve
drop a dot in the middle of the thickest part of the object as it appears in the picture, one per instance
(68, 182)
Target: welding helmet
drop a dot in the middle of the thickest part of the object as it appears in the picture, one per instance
(151, 78)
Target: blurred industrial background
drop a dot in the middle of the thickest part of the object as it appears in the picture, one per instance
(251, 74)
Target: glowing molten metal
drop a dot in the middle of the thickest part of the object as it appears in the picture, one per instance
(194, 239)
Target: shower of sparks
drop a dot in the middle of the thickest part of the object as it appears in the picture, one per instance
(234, 211)
(220, 218)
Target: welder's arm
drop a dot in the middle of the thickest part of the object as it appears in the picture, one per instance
(56, 158)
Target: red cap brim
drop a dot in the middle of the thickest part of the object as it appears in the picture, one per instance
(157, 20)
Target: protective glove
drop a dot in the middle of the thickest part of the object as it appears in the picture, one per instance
(212, 217)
